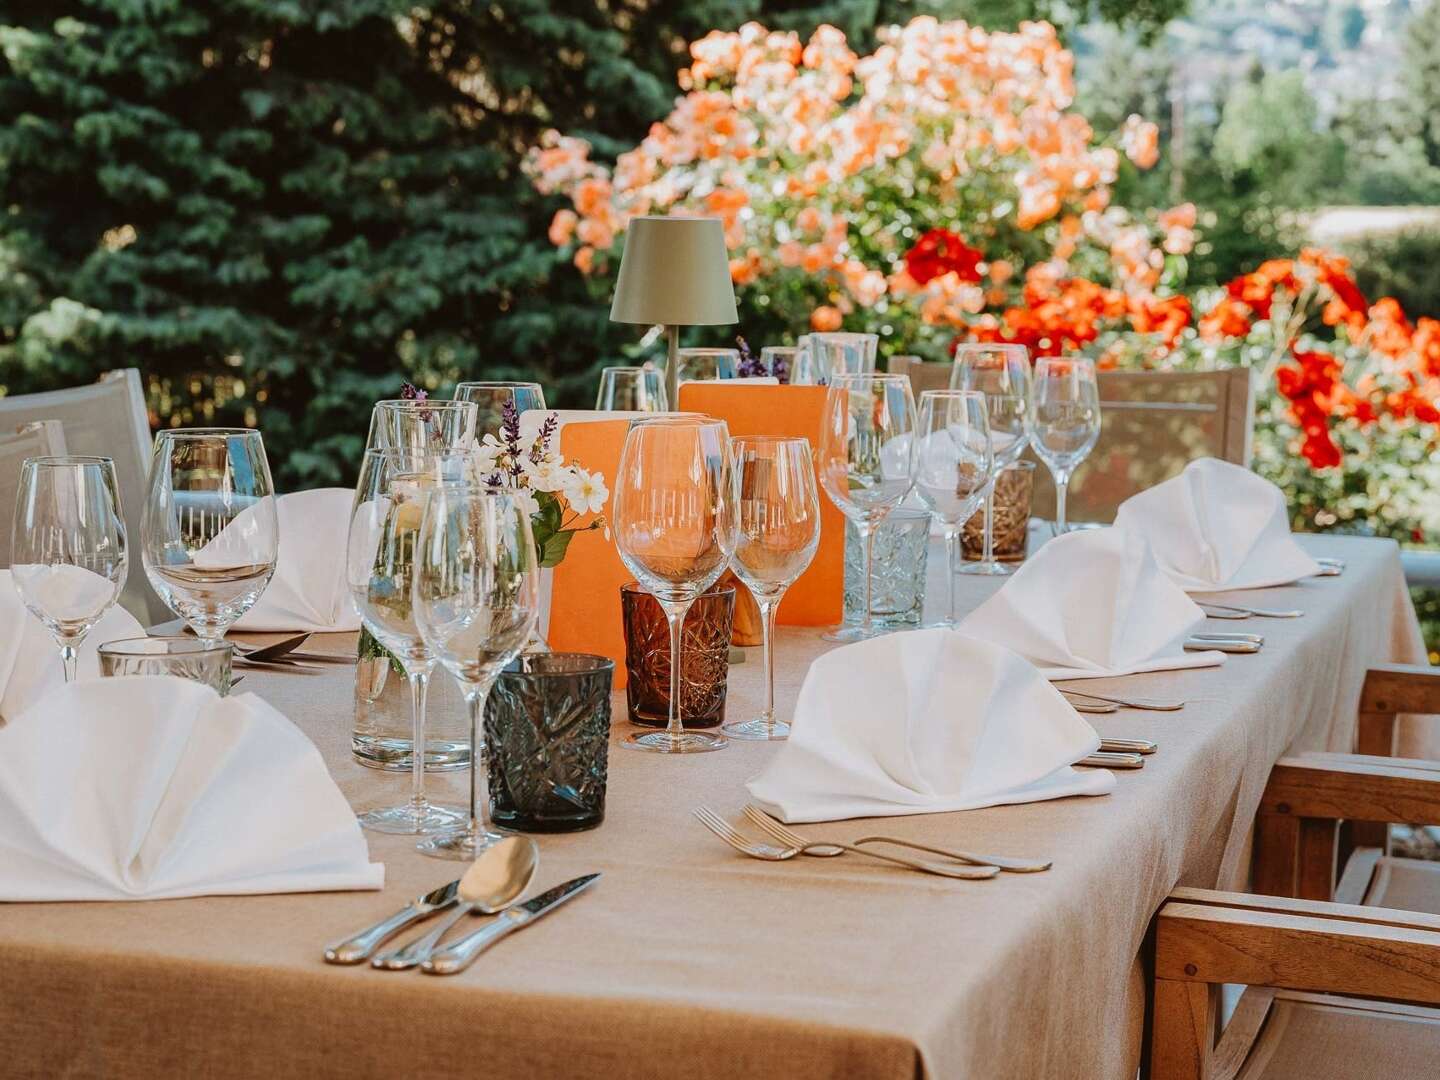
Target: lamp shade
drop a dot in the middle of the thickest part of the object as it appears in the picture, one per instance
(675, 272)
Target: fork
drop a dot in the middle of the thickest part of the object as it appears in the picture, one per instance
(1146, 703)
(827, 850)
(1237, 611)
(743, 844)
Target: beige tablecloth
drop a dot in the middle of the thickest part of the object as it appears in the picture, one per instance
(687, 960)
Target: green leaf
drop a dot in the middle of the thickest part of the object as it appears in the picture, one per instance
(554, 550)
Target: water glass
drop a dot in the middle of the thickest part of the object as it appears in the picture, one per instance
(1009, 526)
(210, 534)
(1001, 372)
(843, 353)
(632, 389)
(69, 555)
(492, 399)
(695, 365)
(896, 584)
(1064, 420)
(185, 657)
(705, 641)
(780, 362)
(421, 425)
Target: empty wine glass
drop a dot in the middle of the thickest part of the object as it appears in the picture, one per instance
(379, 569)
(1001, 372)
(675, 529)
(632, 389)
(476, 597)
(210, 534)
(953, 464)
(865, 449)
(421, 424)
(843, 353)
(779, 529)
(491, 398)
(69, 555)
(803, 371)
(695, 365)
(1064, 420)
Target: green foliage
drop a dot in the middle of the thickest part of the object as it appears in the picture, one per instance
(1401, 264)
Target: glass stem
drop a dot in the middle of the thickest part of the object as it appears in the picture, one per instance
(867, 536)
(475, 698)
(419, 691)
(990, 525)
(1062, 486)
(675, 616)
(769, 608)
(952, 566)
(69, 657)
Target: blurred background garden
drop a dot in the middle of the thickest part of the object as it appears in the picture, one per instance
(279, 209)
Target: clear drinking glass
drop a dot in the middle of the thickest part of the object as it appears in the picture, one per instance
(210, 534)
(865, 449)
(476, 598)
(780, 361)
(779, 529)
(379, 567)
(491, 398)
(69, 555)
(1001, 372)
(675, 529)
(843, 353)
(1064, 420)
(421, 425)
(802, 370)
(185, 657)
(632, 389)
(953, 465)
(697, 364)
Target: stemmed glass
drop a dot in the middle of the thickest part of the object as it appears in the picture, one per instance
(490, 399)
(210, 534)
(379, 570)
(675, 528)
(632, 389)
(476, 598)
(69, 551)
(706, 364)
(421, 425)
(842, 353)
(779, 530)
(1001, 372)
(953, 465)
(1064, 420)
(865, 449)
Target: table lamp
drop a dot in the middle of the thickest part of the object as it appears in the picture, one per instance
(674, 272)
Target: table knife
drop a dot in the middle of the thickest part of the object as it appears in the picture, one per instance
(357, 948)
(455, 958)
(1223, 645)
(1127, 746)
(1105, 760)
(1216, 635)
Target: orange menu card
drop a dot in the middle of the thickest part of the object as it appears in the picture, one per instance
(817, 597)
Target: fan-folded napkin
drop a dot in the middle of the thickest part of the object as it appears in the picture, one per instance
(925, 722)
(308, 591)
(1217, 527)
(1090, 604)
(155, 787)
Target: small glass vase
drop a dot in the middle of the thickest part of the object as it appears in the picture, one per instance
(382, 734)
(897, 582)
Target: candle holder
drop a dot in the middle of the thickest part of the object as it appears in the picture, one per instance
(704, 657)
(1013, 486)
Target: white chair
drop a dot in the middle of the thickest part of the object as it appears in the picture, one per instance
(108, 419)
(39, 438)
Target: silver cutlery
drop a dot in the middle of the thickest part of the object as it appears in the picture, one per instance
(500, 874)
(1224, 611)
(1147, 703)
(769, 853)
(358, 947)
(1225, 646)
(1128, 746)
(1107, 760)
(1082, 706)
(455, 958)
(270, 652)
(1330, 566)
(826, 851)
(1217, 635)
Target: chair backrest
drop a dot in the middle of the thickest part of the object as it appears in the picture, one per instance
(107, 418)
(39, 438)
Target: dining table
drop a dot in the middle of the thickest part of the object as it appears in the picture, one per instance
(687, 959)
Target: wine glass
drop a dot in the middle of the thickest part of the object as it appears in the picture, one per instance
(492, 398)
(780, 361)
(865, 449)
(476, 597)
(379, 568)
(632, 389)
(843, 353)
(953, 464)
(695, 365)
(803, 371)
(1064, 420)
(1001, 372)
(421, 424)
(210, 534)
(69, 555)
(779, 529)
(675, 528)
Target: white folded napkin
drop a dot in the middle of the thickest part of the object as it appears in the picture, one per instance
(308, 591)
(1090, 604)
(925, 722)
(154, 787)
(30, 663)
(1217, 527)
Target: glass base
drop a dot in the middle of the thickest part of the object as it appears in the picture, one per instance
(410, 820)
(758, 730)
(461, 846)
(397, 755)
(988, 569)
(662, 742)
(845, 634)
(938, 624)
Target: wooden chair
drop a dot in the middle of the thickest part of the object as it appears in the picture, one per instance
(1333, 990)
(39, 438)
(1154, 424)
(109, 419)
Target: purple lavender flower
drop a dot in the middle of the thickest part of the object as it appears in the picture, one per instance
(410, 392)
(749, 366)
(510, 434)
(543, 437)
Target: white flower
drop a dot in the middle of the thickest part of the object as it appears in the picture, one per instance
(531, 421)
(586, 492)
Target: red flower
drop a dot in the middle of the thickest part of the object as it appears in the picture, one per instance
(1228, 318)
(1166, 317)
(940, 252)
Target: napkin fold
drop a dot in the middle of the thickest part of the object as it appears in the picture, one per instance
(155, 787)
(308, 591)
(1217, 527)
(1090, 604)
(925, 722)
(30, 664)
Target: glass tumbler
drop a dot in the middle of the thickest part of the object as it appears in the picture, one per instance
(186, 657)
(704, 657)
(1011, 531)
(897, 582)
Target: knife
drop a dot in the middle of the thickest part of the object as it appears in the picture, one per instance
(1127, 746)
(358, 947)
(1227, 645)
(1107, 760)
(1258, 639)
(455, 958)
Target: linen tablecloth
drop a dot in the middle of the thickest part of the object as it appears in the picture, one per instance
(687, 960)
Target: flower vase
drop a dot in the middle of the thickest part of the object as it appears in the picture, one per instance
(382, 734)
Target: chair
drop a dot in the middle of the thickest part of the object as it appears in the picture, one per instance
(1154, 424)
(107, 418)
(39, 438)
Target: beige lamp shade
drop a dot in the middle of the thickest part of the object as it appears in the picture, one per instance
(675, 272)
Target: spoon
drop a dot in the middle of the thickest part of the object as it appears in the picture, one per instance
(495, 879)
